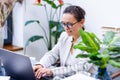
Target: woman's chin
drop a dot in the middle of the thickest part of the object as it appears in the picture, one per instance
(69, 34)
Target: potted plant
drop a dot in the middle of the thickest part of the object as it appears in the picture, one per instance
(53, 23)
(100, 53)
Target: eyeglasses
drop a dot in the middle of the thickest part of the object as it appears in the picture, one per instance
(68, 24)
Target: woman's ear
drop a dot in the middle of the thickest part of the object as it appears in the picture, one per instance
(82, 21)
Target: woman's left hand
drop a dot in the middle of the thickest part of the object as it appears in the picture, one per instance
(46, 72)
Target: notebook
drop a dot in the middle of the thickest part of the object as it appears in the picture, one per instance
(17, 66)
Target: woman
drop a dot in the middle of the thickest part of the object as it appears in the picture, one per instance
(72, 20)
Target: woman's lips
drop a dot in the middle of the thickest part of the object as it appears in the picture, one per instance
(69, 31)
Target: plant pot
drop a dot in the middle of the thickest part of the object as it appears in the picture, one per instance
(103, 74)
(1, 37)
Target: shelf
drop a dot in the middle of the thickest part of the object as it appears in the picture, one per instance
(12, 47)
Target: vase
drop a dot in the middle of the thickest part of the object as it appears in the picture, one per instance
(103, 74)
(1, 37)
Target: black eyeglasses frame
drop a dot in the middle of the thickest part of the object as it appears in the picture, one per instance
(68, 24)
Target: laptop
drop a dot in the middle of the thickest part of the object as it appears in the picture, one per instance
(17, 66)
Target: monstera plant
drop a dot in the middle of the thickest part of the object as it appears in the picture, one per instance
(100, 53)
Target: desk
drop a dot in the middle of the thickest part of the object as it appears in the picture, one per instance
(4, 77)
(79, 76)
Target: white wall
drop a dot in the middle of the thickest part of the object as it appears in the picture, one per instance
(33, 12)
(18, 24)
(98, 13)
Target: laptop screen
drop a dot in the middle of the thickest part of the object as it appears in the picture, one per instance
(17, 66)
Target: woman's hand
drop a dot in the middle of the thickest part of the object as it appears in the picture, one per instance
(42, 72)
(36, 70)
(46, 72)
(36, 67)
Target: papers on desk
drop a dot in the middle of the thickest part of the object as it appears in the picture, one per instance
(4, 77)
(79, 76)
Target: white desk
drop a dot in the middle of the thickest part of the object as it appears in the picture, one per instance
(79, 76)
(4, 77)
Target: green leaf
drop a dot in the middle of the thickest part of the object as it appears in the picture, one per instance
(96, 62)
(82, 56)
(109, 35)
(114, 53)
(51, 3)
(114, 63)
(89, 40)
(56, 33)
(31, 21)
(115, 56)
(94, 56)
(114, 48)
(39, 4)
(104, 55)
(115, 41)
(33, 39)
(94, 36)
(53, 24)
(83, 47)
(60, 28)
(116, 59)
(95, 40)
(85, 38)
(59, 5)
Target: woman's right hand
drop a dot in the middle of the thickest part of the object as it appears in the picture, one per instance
(36, 70)
(40, 71)
(36, 67)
